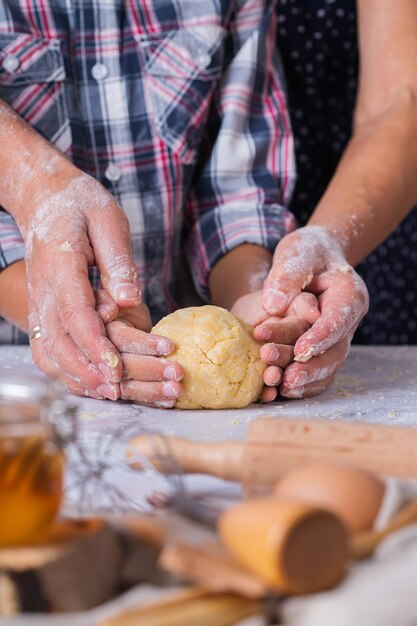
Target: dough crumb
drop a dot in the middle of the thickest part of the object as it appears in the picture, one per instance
(111, 359)
(66, 247)
(305, 356)
(307, 281)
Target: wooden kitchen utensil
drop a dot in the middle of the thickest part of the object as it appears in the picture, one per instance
(274, 446)
(265, 545)
(188, 608)
(212, 567)
(270, 542)
(293, 547)
(363, 544)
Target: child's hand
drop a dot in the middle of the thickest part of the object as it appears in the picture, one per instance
(148, 378)
(281, 333)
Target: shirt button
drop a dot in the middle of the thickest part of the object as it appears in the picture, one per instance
(99, 71)
(10, 63)
(203, 59)
(113, 173)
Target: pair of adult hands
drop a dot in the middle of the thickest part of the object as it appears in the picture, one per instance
(312, 303)
(99, 343)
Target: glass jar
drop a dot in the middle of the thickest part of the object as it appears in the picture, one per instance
(31, 457)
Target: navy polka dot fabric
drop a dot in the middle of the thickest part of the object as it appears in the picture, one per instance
(318, 46)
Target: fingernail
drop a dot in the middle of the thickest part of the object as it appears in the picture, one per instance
(108, 391)
(295, 393)
(127, 291)
(305, 356)
(169, 391)
(170, 373)
(111, 359)
(273, 353)
(275, 301)
(164, 346)
(300, 379)
(264, 333)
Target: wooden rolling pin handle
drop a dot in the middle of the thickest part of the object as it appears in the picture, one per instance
(224, 460)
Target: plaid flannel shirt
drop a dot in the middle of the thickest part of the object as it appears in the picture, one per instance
(176, 106)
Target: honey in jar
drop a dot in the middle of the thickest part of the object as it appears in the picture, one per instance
(31, 464)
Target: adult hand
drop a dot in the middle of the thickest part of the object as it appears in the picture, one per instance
(310, 258)
(73, 222)
(281, 333)
(148, 377)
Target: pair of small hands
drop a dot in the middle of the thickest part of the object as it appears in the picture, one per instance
(280, 332)
(99, 344)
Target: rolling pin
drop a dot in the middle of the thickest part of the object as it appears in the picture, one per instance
(274, 446)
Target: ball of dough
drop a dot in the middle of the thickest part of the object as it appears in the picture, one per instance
(221, 363)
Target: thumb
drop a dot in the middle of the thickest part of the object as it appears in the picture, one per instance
(292, 270)
(110, 240)
(306, 307)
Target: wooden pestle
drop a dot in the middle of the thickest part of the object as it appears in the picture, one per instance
(265, 544)
(293, 547)
(274, 446)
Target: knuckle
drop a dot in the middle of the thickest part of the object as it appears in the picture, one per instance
(70, 313)
(120, 266)
(116, 331)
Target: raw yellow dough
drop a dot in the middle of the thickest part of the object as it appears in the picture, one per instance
(218, 355)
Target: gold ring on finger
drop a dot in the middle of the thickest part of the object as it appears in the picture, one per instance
(35, 333)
